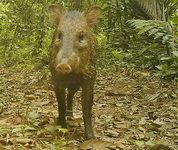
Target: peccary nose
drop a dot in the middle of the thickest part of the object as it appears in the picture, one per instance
(63, 68)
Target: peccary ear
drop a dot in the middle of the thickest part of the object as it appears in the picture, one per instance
(55, 14)
(93, 15)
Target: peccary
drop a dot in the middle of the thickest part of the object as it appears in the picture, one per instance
(73, 61)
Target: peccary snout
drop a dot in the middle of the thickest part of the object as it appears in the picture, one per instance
(63, 68)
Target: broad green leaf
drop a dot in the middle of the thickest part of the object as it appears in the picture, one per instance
(159, 67)
(148, 48)
(16, 130)
(30, 128)
(137, 143)
(158, 35)
(151, 143)
(145, 29)
(152, 45)
(162, 67)
(52, 147)
(33, 115)
(142, 50)
(175, 53)
(138, 23)
(117, 55)
(21, 126)
(64, 130)
(175, 20)
(165, 66)
(165, 58)
(166, 38)
(50, 128)
(153, 31)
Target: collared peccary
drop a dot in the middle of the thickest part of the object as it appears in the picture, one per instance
(73, 60)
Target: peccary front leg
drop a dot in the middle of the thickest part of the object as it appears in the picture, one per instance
(70, 95)
(60, 94)
(87, 102)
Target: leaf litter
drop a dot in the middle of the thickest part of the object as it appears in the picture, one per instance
(129, 112)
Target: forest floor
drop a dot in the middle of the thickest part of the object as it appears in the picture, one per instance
(130, 111)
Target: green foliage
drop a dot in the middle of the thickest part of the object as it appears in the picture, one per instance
(33, 116)
(164, 45)
(157, 29)
(138, 144)
(60, 143)
(144, 44)
(26, 130)
(23, 129)
(25, 28)
(26, 33)
(142, 144)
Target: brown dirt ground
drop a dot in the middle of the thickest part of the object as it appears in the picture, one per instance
(128, 110)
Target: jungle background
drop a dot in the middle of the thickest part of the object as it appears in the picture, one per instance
(136, 88)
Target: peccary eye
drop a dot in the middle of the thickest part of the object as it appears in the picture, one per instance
(59, 35)
(81, 36)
